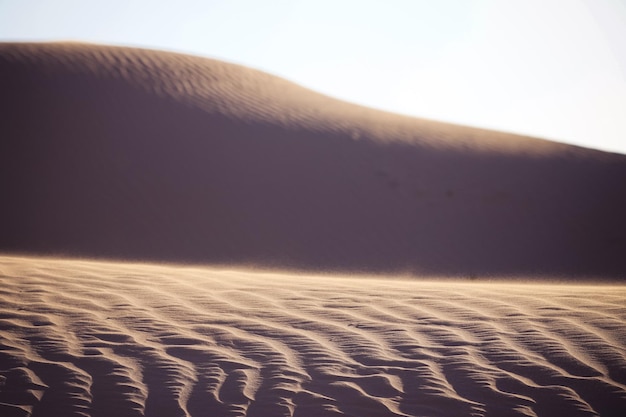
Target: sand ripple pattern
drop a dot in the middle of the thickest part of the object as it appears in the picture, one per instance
(82, 338)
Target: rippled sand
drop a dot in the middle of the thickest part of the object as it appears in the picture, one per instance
(120, 339)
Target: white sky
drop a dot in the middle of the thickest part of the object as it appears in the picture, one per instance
(549, 68)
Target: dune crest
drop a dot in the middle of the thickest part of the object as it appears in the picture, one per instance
(252, 96)
(91, 338)
(134, 154)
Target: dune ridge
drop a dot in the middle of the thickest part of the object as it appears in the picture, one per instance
(89, 338)
(245, 94)
(125, 153)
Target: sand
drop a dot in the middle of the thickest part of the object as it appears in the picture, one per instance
(120, 339)
(135, 154)
(348, 261)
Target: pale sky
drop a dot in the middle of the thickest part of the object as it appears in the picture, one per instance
(549, 68)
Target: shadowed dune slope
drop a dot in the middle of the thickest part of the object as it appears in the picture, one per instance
(128, 153)
(84, 339)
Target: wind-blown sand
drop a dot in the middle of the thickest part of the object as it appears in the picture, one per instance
(113, 339)
(280, 192)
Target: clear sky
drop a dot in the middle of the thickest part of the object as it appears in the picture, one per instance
(549, 68)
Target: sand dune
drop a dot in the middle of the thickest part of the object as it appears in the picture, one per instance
(127, 153)
(111, 339)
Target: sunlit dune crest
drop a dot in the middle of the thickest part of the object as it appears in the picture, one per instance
(243, 94)
(137, 154)
(87, 338)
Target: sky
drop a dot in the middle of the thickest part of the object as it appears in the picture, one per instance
(554, 69)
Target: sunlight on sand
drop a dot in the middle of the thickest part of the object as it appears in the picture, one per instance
(104, 338)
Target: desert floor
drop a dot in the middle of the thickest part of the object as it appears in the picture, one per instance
(93, 338)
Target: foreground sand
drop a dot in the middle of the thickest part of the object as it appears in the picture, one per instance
(118, 339)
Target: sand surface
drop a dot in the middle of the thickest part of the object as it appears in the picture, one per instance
(128, 153)
(115, 339)
(138, 155)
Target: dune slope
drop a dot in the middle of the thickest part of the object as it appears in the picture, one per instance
(81, 338)
(136, 154)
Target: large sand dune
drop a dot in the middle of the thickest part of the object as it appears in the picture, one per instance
(104, 339)
(136, 154)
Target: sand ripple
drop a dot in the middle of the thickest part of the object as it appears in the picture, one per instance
(82, 338)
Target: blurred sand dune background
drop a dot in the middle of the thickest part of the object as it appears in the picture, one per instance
(137, 154)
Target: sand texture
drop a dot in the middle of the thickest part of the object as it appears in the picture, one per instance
(136, 154)
(82, 338)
